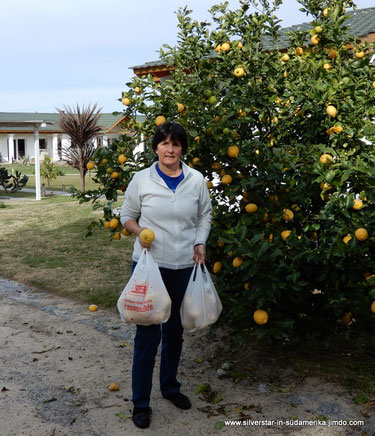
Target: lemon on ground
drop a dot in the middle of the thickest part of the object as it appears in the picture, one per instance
(251, 208)
(122, 159)
(285, 234)
(288, 215)
(147, 236)
(361, 234)
(93, 308)
(160, 120)
(326, 159)
(217, 267)
(347, 238)
(90, 165)
(237, 261)
(357, 204)
(113, 387)
(226, 179)
(260, 316)
(113, 223)
(233, 151)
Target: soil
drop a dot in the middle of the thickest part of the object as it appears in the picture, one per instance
(57, 359)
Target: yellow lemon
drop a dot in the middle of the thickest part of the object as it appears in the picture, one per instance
(180, 107)
(225, 46)
(315, 40)
(113, 223)
(90, 165)
(114, 175)
(298, 51)
(113, 387)
(288, 215)
(285, 58)
(360, 54)
(160, 120)
(126, 101)
(251, 208)
(233, 151)
(333, 54)
(347, 238)
(331, 111)
(361, 234)
(137, 90)
(237, 261)
(147, 236)
(357, 204)
(326, 159)
(260, 316)
(346, 318)
(285, 234)
(373, 307)
(93, 308)
(125, 232)
(117, 236)
(239, 72)
(217, 267)
(226, 179)
(246, 286)
(122, 159)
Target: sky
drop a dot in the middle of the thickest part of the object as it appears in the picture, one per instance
(64, 52)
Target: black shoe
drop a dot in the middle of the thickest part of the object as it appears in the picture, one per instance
(141, 416)
(179, 400)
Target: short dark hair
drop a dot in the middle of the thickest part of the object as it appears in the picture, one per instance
(173, 130)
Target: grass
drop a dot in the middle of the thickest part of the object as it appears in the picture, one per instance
(71, 177)
(42, 244)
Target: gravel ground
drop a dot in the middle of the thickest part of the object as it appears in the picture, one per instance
(57, 360)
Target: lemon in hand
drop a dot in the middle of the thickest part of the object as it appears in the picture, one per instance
(147, 236)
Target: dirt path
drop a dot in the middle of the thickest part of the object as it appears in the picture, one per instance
(57, 359)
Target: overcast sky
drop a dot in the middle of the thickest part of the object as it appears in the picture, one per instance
(57, 52)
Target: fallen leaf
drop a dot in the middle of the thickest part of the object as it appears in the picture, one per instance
(219, 425)
(201, 388)
(4, 389)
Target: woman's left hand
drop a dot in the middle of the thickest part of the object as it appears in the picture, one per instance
(199, 253)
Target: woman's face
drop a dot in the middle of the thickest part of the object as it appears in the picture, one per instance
(169, 153)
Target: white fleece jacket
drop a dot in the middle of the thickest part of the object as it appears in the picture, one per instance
(180, 220)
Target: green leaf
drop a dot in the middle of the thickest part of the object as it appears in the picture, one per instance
(219, 425)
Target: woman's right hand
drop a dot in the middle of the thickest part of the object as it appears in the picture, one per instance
(143, 245)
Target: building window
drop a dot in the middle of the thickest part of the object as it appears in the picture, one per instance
(42, 144)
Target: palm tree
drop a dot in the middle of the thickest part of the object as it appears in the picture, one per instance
(82, 126)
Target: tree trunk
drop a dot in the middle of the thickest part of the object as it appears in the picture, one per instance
(82, 170)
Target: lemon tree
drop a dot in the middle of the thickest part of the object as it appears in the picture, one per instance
(285, 141)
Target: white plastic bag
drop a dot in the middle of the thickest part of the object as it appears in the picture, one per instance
(201, 305)
(145, 299)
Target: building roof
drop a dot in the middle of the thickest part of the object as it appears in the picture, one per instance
(107, 120)
(361, 23)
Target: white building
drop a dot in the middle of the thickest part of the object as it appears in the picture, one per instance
(17, 143)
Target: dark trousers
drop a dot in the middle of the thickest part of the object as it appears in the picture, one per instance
(147, 340)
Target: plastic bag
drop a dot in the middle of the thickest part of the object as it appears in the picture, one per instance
(201, 305)
(145, 299)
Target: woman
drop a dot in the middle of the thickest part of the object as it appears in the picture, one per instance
(171, 199)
